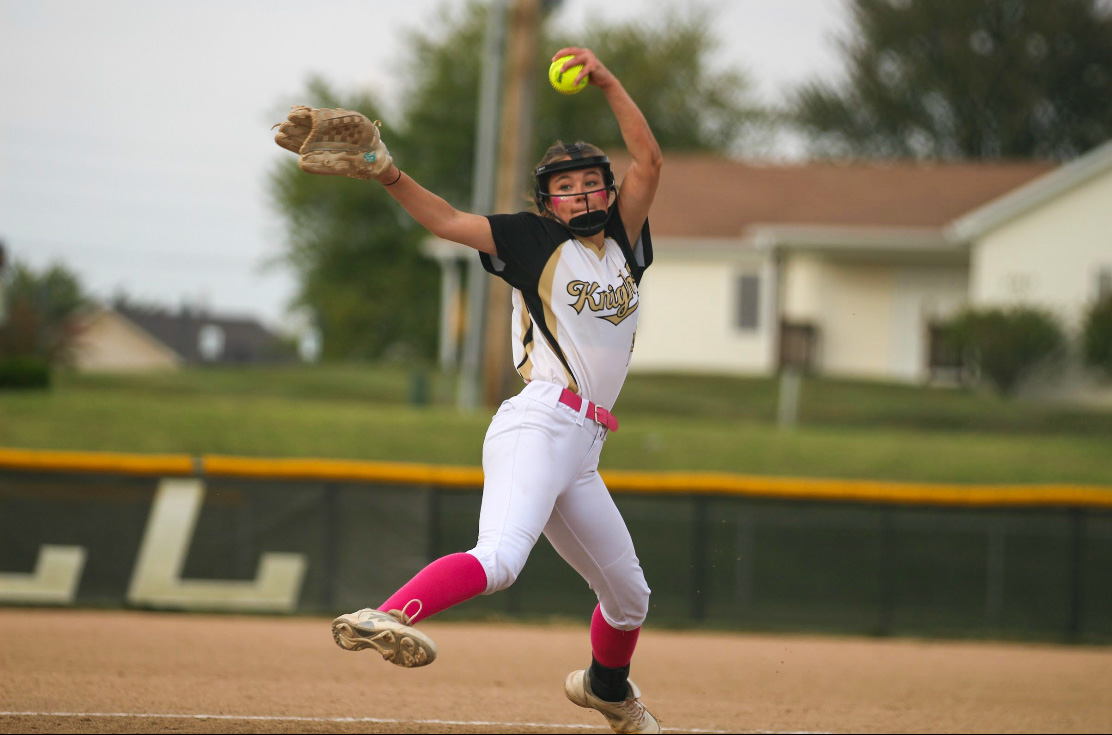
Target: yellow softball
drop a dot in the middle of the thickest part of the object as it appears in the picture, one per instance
(564, 81)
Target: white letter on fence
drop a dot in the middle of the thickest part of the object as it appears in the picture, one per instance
(157, 582)
(54, 581)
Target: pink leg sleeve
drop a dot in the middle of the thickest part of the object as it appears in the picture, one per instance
(611, 647)
(447, 581)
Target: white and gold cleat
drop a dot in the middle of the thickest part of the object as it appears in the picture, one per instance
(627, 716)
(389, 633)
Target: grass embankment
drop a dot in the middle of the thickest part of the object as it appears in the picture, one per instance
(845, 429)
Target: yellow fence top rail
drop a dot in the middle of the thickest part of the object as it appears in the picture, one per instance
(342, 471)
(96, 462)
(662, 483)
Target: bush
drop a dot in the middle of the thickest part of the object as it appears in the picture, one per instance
(24, 372)
(1096, 336)
(1006, 345)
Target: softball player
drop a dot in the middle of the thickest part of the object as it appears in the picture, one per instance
(575, 269)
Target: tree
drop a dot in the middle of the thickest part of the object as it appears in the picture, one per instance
(1006, 345)
(666, 68)
(953, 79)
(39, 318)
(1096, 336)
(356, 253)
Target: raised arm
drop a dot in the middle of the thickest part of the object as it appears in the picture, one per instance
(638, 188)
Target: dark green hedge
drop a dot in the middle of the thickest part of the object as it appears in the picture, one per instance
(24, 372)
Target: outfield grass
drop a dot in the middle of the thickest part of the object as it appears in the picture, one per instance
(846, 429)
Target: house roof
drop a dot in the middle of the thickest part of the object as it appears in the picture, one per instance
(243, 339)
(703, 196)
(1033, 194)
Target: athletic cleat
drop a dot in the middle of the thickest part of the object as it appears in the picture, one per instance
(389, 633)
(628, 716)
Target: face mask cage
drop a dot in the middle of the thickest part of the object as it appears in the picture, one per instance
(585, 224)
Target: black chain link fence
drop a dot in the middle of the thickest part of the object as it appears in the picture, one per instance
(723, 562)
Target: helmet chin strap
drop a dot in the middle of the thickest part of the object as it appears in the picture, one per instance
(591, 222)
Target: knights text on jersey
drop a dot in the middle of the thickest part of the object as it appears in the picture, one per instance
(575, 307)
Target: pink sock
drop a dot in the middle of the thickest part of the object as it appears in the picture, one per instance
(611, 647)
(448, 581)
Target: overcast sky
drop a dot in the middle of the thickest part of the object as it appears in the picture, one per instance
(135, 140)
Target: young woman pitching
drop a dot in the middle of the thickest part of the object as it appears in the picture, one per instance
(574, 266)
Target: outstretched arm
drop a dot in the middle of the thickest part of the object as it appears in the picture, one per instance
(639, 185)
(436, 215)
(338, 142)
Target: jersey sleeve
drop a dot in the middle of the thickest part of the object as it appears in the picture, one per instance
(524, 242)
(639, 254)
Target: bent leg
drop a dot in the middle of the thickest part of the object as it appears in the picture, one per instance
(447, 581)
(530, 456)
(611, 647)
(590, 534)
(587, 530)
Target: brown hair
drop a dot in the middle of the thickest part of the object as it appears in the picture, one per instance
(556, 152)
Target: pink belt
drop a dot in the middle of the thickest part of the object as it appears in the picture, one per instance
(595, 413)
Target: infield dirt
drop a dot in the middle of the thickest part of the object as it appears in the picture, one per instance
(79, 671)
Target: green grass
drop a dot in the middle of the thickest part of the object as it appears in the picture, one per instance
(846, 429)
(849, 404)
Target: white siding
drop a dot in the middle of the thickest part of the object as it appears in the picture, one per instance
(871, 318)
(1050, 256)
(922, 296)
(688, 319)
(803, 288)
(855, 323)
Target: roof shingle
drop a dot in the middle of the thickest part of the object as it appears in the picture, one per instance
(706, 196)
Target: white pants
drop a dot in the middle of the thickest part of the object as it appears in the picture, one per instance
(540, 461)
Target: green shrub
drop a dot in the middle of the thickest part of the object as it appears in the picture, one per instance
(1006, 345)
(24, 372)
(1096, 336)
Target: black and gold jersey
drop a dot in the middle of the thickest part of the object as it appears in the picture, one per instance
(575, 306)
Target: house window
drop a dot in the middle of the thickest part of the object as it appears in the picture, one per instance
(210, 342)
(748, 302)
(1104, 282)
(944, 359)
(1020, 284)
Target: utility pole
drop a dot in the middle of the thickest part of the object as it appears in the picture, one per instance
(513, 150)
(482, 202)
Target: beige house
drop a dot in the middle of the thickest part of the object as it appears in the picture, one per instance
(847, 268)
(121, 338)
(110, 342)
(839, 267)
(1048, 244)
